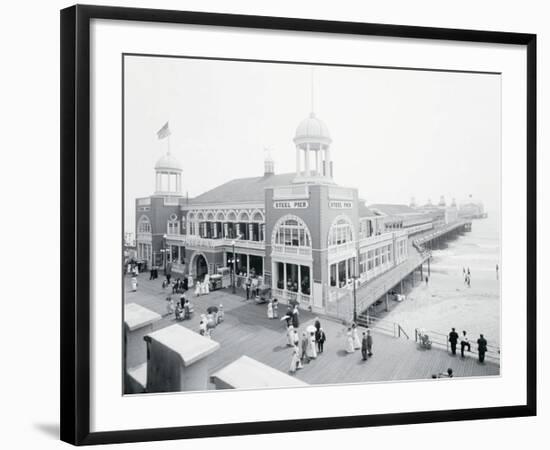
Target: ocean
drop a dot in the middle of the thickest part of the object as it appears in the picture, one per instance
(447, 301)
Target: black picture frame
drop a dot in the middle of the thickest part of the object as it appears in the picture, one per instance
(75, 222)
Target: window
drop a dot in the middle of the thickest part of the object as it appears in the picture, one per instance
(173, 225)
(362, 263)
(144, 225)
(340, 232)
(292, 232)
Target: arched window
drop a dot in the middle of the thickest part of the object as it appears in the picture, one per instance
(291, 231)
(243, 216)
(210, 217)
(144, 225)
(220, 217)
(258, 217)
(341, 231)
(173, 225)
(231, 217)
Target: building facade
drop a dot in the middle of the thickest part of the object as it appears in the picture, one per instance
(302, 234)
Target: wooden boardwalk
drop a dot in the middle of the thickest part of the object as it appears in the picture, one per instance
(246, 330)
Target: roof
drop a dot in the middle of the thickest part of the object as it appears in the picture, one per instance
(244, 190)
(312, 128)
(168, 162)
(136, 316)
(393, 210)
(189, 345)
(364, 211)
(248, 373)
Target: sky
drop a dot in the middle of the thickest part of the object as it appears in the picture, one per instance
(396, 134)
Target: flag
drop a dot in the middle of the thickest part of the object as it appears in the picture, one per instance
(164, 131)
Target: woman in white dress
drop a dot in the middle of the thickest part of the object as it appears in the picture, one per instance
(198, 288)
(356, 340)
(134, 284)
(270, 310)
(290, 336)
(349, 342)
(295, 363)
(312, 348)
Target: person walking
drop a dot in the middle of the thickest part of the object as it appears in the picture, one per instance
(304, 345)
(295, 337)
(317, 324)
(355, 335)
(453, 339)
(497, 271)
(369, 343)
(134, 284)
(248, 283)
(295, 362)
(320, 338)
(270, 310)
(364, 346)
(481, 348)
(426, 279)
(295, 319)
(350, 348)
(464, 342)
(312, 347)
(289, 336)
(275, 308)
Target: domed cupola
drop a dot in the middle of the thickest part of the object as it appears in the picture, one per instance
(312, 140)
(168, 172)
(312, 130)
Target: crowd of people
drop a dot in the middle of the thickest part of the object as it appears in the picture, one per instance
(306, 346)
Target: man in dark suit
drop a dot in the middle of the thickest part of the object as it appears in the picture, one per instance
(481, 348)
(364, 346)
(453, 339)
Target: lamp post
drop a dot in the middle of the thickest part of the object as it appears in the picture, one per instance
(233, 262)
(164, 251)
(354, 278)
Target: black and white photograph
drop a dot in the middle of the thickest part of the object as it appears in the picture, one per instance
(290, 224)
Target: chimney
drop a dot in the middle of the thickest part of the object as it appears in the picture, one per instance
(269, 165)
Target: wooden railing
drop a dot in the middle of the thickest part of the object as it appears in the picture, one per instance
(385, 326)
(442, 341)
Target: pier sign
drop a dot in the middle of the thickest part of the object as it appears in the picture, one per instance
(338, 204)
(291, 204)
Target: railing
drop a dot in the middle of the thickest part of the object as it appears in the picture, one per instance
(385, 326)
(372, 240)
(440, 231)
(342, 248)
(418, 228)
(144, 201)
(291, 250)
(442, 341)
(284, 296)
(197, 241)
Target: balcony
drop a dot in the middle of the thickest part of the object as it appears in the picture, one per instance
(288, 252)
(206, 243)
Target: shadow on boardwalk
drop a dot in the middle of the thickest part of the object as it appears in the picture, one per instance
(246, 330)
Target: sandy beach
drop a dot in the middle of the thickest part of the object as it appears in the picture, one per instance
(447, 301)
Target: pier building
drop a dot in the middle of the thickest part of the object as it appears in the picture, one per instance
(299, 233)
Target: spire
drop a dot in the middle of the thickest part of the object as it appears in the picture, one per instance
(312, 92)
